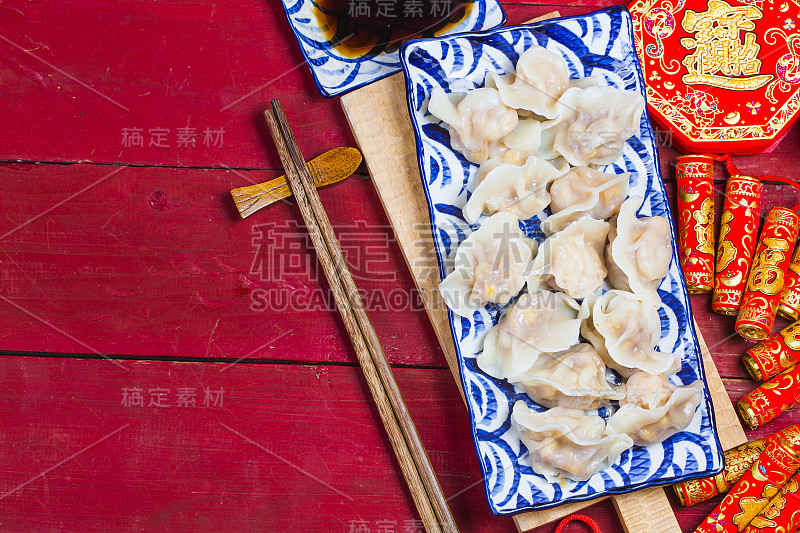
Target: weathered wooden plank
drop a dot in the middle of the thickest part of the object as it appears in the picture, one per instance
(86, 79)
(156, 261)
(178, 468)
(274, 448)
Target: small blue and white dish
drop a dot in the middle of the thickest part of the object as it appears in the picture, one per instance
(599, 44)
(336, 72)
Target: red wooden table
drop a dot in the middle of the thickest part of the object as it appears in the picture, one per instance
(167, 366)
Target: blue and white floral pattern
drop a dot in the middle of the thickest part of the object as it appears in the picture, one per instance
(335, 74)
(600, 44)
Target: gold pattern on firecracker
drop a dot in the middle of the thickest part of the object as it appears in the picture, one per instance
(704, 229)
(766, 519)
(695, 180)
(767, 276)
(737, 242)
(726, 250)
(770, 399)
(752, 505)
(789, 305)
(765, 282)
(791, 336)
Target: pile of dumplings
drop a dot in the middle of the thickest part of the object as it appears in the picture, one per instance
(585, 300)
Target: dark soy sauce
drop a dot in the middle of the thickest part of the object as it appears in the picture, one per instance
(367, 27)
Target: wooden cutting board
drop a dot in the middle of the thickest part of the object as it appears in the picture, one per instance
(378, 116)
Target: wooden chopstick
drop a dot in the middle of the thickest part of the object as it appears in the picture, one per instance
(414, 462)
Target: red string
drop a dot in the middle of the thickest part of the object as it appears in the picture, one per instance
(734, 171)
(581, 518)
(731, 168)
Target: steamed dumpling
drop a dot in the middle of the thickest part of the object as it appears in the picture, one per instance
(625, 330)
(566, 443)
(489, 266)
(521, 190)
(639, 251)
(654, 409)
(538, 322)
(585, 191)
(603, 118)
(525, 137)
(572, 259)
(477, 123)
(575, 378)
(509, 157)
(541, 77)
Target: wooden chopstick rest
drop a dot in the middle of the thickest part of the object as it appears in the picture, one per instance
(399, 426)
(331, 167)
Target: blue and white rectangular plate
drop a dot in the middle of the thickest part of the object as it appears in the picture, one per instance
(600, 44)
(334, 73)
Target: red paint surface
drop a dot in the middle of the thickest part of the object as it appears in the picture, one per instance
(152, 260)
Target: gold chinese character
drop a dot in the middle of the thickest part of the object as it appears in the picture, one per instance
(721, 58)
(767, 277)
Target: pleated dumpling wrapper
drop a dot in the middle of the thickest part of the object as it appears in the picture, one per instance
(594, 124)
(654, 409)
(639, 251)
(574, 378)
(625, 329)
(585, 191)
(540, 78)
(477, 123)
(538, 322)
(521, 190)
(572, 259)
(567, 443)
(518, 158)
(489, 266)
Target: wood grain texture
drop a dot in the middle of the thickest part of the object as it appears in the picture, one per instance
(646, 510)
(331, 167)
(379, 119)
(154, 261)
(161, 66)
(390, 154)
(164, 266)
(177, 469)
(285, 448)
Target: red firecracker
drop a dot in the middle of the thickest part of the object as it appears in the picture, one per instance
(789, 306)
(782, 513)
(778, 353)
(737, 461)
(752, 492)
(767, 274)
(695, 177)
(738, 234)
(770, 399)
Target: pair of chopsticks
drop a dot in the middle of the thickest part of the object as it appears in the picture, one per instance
(414, 462)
